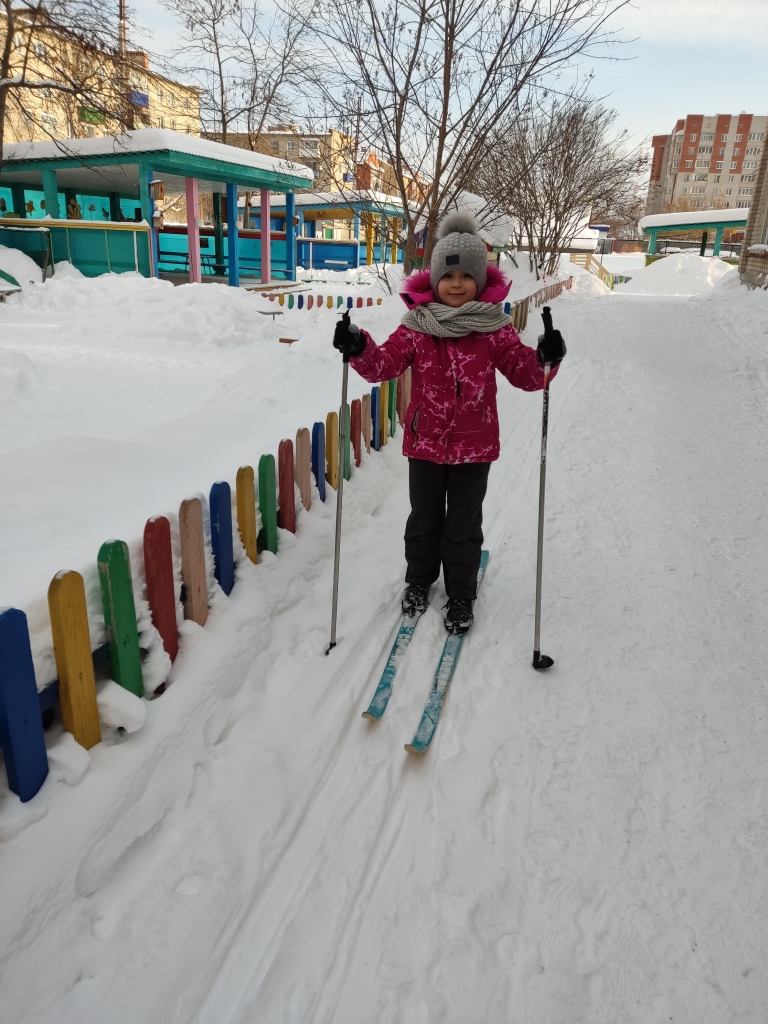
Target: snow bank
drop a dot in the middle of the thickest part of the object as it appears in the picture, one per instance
(19, 266)
(682, 274)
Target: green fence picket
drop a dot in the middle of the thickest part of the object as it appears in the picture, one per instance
(120, 615)
(268, 504)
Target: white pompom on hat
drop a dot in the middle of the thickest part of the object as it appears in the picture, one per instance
(459, 247)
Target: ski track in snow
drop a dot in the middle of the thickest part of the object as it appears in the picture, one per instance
(586, 845)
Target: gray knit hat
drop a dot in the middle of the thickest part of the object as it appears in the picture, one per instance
(460, 247)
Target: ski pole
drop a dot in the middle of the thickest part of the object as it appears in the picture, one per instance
(340, 493)
(542, 660)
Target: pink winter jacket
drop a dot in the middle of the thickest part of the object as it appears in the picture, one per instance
(452, 414)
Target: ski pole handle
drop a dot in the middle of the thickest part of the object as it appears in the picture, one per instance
(546, 316)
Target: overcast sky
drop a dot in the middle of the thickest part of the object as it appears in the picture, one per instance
(681, 57)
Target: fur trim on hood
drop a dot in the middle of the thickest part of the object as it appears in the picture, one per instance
(417, 288)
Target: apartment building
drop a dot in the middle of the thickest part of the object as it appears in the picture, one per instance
(120, 91)
(706, 162)
(330, 155)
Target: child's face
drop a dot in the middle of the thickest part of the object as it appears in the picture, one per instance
(456, 287)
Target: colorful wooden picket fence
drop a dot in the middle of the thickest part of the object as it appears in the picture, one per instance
(298, 300)
(370, 421)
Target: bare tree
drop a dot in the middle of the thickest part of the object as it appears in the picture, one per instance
(248, 63)
(437, 76)
(64, 54)
(583, 165)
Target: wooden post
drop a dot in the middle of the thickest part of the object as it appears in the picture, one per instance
(395, 231)
(369, 238)
(232, 237)
(290, 235)
(375, 419)
(383, 412)
(120, 615)
(21, 728)
(74, 660)
(158, 570)
(332, 449)
(303, 469)
(347, 439)
(193, 233)
(220, 502)
(365, 420)
(218, 234)
(286, 475)
(266, 238)
(268, 504)
(194, 590)
(51, 191)
(393, 407)
(246, 511)
(356, 430)
(318, 458)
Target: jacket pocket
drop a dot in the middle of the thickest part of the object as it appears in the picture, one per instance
(415, 424)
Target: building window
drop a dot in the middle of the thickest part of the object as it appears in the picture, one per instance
(691, 151)
(729, 191)
(699, 190)
(186, 102)
(707, 138)
(700, 177)
(736, 150)
(171, 100)
(734, 165)
(705, 149)
(161, 122)
(730, 177)
(723, 138)
(719, 165)
(750, 165)
(756, 136)
(275, 147)
(752, 151)
(738, 138)
(715, 191)
(693, 138)
(716, 178)
(743, 204)
(685, 191)
(686, 177)
(689, 163)
(172, 125)
(745, 191)
(159, 95)
(290, 145)
(747, 177)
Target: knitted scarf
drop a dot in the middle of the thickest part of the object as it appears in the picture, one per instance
(451, 322)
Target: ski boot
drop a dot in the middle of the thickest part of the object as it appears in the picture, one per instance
(415, 600)
(459, 616)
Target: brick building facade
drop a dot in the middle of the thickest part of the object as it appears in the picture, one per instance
(706, 162)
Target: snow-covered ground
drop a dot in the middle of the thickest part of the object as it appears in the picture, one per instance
(584, 846)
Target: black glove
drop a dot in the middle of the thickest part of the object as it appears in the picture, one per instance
(551, 347)
(348, 338)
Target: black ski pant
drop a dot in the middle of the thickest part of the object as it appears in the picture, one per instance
(445, 525)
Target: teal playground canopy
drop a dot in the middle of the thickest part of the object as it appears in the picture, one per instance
(113, 177)
(716, 221)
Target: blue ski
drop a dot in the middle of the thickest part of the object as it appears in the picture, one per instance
(380, 700)
(443, 676)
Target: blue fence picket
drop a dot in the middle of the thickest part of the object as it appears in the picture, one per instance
(221, 535)
(349, 302)
(318, 457)
(300, 301)
(21, 728)
(375, 418)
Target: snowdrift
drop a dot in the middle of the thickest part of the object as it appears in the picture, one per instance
(683, 274)
(19, 266)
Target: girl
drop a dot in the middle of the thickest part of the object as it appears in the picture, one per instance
(455, 336)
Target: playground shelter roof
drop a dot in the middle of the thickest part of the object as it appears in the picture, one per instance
(695, 220)
(112, 163)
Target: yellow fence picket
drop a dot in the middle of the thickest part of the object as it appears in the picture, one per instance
(366, 421)
(384, 412)
(246, 511)
(195, 588)
(332, 449)
(74, 661)
(303, 467)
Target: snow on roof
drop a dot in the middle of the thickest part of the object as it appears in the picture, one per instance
(496, 227)
(334, 198)
(151, 140)
(668, 220)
